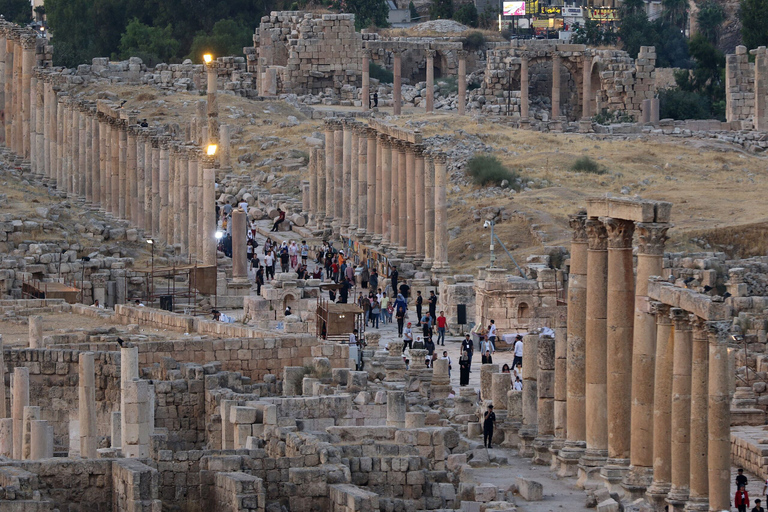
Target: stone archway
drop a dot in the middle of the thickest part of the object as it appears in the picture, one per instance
(597, 99)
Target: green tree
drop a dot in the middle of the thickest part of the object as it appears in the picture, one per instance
(754, 22)
(441, 9)
(709, 19)
(228, 37)
(72, 31)
(17, 11)
(367, 12)
(676, 12)
(414, 12)
(152, 44)
(466, 15)
(594, 33)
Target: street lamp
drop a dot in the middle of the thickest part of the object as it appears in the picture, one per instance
(211, 151)
(490, 224)
(207, 58)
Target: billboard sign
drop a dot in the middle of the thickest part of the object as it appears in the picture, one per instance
(516, 8)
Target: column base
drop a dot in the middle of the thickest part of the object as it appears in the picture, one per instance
(427, 264)
(637, 481)
(568, 458)
(677, 497)
(511, 437)
(376, 240)
(613, 473)
(698, 504)
(589, 468)
(527, 435)
(657, 494)
(541, 454)
(554, 448)
(352, 230)
(362, 235)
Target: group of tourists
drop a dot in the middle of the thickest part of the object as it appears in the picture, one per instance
(741, 498)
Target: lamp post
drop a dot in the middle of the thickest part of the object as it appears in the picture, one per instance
(151, 243)
(490, 224)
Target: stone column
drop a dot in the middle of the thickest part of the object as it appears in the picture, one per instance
(239, 259)
(30, 414)
(486, 377)
(312, 168)
(82, 160)
(94, 152)
(143, 179)
(3, 403)
(719, 419)
(6, 428)
(411, 201)
(18, 115)
(164, 190)
(320, 190)
(396, 408)
(209, 211)
(429, 211)
(136, 419)
(346, 183)
(394, 230)
(48, 111)
(699, 484)
(224, 152)
(430, 80)
(87, 406)
(586, 94)
(193, 193)
(60, 136)
(35, 331)
(681, 408)
(183, 205)
(596, 352)
(378, 221)
(419, 204)
(338, 176)
(662, 406)
(123, 205)
(404, 198)
(397, 86)
(545, 409)
(524, 89)
(350, 192)
(114, 146)
(371, 187)
(131, 169)
(528, 430)
(651, 238)
(440, 263)
(200, 218)
(19, 402)
(173, 193)
(462, 80)
(329, 174)
(129, 370)
(576, 337)
(104, 184)
(655, 111)
(501, 383)
(75, 170)
(619, 323)
(41, 440)
(39, 143)
(156, 201)
(365, 95)
(28, 66)
(7, 42)
(362, 182)
(555, 86)
(387, 203)
(212, 105)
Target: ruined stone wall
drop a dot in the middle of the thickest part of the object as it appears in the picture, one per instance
(53, 386)
(739, 86)
(313, 51)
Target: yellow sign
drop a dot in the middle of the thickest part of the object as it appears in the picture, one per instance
(604, 13)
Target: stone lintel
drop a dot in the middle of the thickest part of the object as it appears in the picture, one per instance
(637, 210)
(699, 304)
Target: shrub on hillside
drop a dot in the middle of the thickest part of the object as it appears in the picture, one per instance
(586, 164)
(488, 170)
(473, 41)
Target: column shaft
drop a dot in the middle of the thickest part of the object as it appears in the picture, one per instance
(131, 170)
(384, 201)
(209, 212)
(239, 259)
(114, 146)
(26, 93)
(403, 200)
(418, 211)
(123, 208)
(156, 201)
(19, 402)
(371, 186)
(681, 408)
(699, 483)
(411, 198)
(397, 86)
(330, 209)
(394, 216)
(183, 205)
(586, 95)
(350, 192)
(164, 191)
(441, 214)
(662, 405)
(87, 405)
(193, 249)
(555, 87)
(430, 81)
(321, 187)
(338, 176)
(362, 182)
(312, 168)
(462, 79)
(365, 95)
(524, 88)
(719, 421)
(141, 179)
(429, 212)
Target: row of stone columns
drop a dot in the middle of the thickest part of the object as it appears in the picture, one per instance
(397, 85)
(381, 190)
(632, 423)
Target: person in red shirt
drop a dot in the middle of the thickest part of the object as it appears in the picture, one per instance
(741, 500)
(441, 324)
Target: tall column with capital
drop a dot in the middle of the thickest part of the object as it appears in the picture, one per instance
(118, 169)
(719, 419)
(193, 192)
(350, 179)
(576, 339)
(141, 178)
(164, 190)
(39, 143)
(698, 499)
(82, 161)
(429, 212)
(462, 80)
(619, 323)
(131, 169)
(386, 203)
(410, 203)
(440, 263)
(651, 238)
(418, 152)
(18, 97)
(596, 352)
(148, 199)
(156, 186)
(681, 409)
(92, 156)
(338, 176)
(662, 406)
(555, 86)
(212, 105)
(183, 205)
(362, 182)
(394, 230)
(397, 86)
(365, 95)
(28, 66)
(330, 209)
(371, 185)
(430, 80)
(403, 200)
(8, 89)
(524, 88)
(209, 211)
(312, 168)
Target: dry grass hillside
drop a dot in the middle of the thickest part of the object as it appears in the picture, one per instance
(713, 185)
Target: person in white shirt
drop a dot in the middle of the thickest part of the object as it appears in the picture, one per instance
(492, 336)
(445, 356)
(408, 336)
(518, 360)
(353, 337)
(97, 305)
(244, 206)
(518, 384)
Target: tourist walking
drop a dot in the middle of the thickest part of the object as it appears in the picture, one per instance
(741, 500)
(489, 420)
(419, 302)
(373, 280)
(518, 349)
(432, 305)
(464, 364)
(441, 325)
(375, 313)
(408, 336)
(400, 317)
(393, 276)
(487, 358)
(492, 335)
(468, 346)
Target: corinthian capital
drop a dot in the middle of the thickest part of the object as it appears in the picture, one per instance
(620, 232)
(651, 237)
(578, 225)
(597, 237)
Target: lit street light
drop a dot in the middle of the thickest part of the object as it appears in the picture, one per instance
(207, 58)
